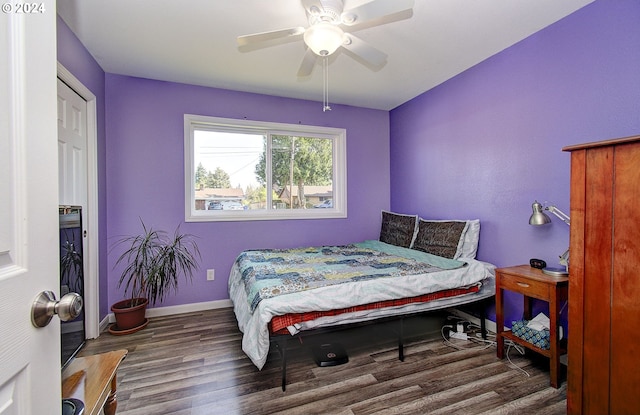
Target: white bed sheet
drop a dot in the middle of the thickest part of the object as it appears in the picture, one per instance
(254, 326)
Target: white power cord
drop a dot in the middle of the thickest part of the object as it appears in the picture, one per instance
(520, 349)
(472, 339)
(479, 340)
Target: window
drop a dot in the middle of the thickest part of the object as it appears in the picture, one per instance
(248, 170)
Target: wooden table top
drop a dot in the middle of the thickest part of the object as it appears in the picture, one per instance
(89, 378)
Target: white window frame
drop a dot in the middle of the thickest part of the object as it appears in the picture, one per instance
(339, 185)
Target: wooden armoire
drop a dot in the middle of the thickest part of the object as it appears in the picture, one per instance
(604, 278)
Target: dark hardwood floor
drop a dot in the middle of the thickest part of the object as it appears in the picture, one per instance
(193, 363)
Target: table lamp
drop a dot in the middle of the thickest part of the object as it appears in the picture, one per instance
(538, 218)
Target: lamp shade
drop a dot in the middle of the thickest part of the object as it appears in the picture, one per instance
(538, 217)
(324, 38)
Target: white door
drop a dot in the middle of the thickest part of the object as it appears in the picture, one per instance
(72, 147)
(29, 357)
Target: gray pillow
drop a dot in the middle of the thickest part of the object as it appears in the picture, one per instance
(439, 238)
(398, 229)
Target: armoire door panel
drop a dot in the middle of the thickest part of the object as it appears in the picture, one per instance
(576, 319)
(625, 337)
(597, 277)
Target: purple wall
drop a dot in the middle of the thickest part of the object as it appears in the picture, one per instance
(145, 173)
(75, 58)
(488, 142)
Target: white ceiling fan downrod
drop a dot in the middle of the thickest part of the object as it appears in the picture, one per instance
(325, 84)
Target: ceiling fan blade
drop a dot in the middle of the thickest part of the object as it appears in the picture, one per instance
(374, 10)
(364, 50)
(267, 36)
(308, 62)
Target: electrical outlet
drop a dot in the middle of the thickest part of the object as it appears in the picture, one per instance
(211, 274)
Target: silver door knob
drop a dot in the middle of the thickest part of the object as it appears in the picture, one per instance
(45, 306)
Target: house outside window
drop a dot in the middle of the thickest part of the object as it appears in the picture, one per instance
(249, 170)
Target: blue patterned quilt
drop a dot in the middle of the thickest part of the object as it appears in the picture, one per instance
(269, 273)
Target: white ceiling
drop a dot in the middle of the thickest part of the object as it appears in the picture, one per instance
(194, 42)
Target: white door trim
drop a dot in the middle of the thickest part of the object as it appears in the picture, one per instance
(92, 286)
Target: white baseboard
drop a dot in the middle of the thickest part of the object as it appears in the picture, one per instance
(491, 325)
(174, 309)
(211, 305)
(104, 323)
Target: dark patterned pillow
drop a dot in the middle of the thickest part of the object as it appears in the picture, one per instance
(439, 238)
(398, 229)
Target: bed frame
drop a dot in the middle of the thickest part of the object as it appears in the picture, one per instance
(280, 341)
(383, 307)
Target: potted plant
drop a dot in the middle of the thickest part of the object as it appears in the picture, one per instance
(154, 262)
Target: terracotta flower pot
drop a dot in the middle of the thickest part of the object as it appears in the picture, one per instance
(130, 316)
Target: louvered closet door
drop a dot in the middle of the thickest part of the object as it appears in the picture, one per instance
(625, 287)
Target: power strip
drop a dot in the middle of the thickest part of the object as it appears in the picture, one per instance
(459, 336)
(491, 325)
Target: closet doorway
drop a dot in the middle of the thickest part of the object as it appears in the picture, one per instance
(78, 179)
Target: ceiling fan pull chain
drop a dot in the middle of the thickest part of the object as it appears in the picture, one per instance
(325, 84)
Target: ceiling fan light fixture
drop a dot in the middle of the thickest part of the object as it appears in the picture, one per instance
(324, 38)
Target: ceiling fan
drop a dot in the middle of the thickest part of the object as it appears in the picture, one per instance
(328, 29)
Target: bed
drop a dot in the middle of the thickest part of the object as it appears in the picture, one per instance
(415, 266)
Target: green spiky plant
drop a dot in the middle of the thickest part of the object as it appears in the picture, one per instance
(155, 261)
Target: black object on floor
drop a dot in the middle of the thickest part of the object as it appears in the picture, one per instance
(330, 354)
(72, 406)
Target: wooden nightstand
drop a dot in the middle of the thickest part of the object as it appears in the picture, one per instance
(533, 283)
